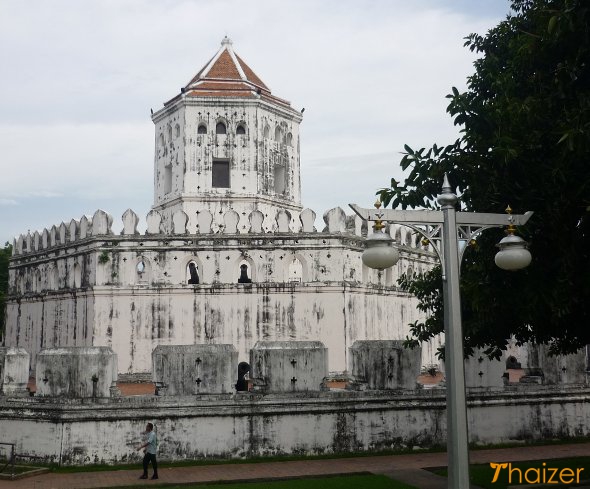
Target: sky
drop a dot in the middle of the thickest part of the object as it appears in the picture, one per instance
(79, 79)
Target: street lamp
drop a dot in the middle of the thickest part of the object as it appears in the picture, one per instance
(444, 229)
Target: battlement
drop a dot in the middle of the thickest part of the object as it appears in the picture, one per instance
(204, 223)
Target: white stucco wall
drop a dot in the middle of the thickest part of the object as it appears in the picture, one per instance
(253, 156)
(243, 425)
(86, 289)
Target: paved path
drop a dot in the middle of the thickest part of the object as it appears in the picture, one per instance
(407, 468)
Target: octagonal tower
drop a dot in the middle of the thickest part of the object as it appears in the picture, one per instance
(226, 142)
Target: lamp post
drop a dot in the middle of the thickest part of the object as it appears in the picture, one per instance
(444, 229)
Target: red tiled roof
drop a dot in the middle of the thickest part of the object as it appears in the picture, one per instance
(227, 75)
(219, 85)
(250, 74)
(224, 67)
(220, 93)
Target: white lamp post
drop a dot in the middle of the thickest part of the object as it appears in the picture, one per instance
(444, 230)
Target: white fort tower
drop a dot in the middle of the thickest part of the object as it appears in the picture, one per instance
(228, 257)
(226, 142)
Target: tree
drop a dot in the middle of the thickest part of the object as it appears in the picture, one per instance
(524, 141)
(5, 254)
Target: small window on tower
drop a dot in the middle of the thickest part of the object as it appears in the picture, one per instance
(220, 173)
(220, 128)
(240, 129)
(202, 129)
(177, 130)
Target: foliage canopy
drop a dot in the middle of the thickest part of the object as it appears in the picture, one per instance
(525, 141)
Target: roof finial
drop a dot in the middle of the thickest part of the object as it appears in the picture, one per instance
(226, 41)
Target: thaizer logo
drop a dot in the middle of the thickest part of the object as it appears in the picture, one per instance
(537, 475)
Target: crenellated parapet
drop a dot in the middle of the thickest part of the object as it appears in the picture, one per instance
(78, 232)
(274, 249)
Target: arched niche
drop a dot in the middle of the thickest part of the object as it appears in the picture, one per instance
(296, 271)
(77, 276)
(53, 278)
(142, 271)
(251, 269)
(221, 127)
(185, 272)
(37, 284)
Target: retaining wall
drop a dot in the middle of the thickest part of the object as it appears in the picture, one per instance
(247, 424)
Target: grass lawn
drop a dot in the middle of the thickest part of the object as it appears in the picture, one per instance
(338, 482)
(482, 475)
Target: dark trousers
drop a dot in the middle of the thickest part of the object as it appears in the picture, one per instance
(150, 457)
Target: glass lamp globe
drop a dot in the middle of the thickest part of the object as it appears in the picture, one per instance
(379, 253)
(513, 254)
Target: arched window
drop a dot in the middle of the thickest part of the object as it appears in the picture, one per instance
(202, 129)
(266, 133)
(290, 139)
(162, 141)
(241, 129)
(142, 271)
(220, 128)
(278, 134)
(295, 271)
(192, 273)
(177, 130)
(169, 133)
(244, 277)
(512, 363)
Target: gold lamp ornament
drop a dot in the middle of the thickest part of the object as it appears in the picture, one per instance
(380, 253)
(513, 254)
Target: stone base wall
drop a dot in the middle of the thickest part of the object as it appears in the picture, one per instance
(244, 425)
(133, 321)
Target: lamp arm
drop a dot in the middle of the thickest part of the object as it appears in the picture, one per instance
(429, 224)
